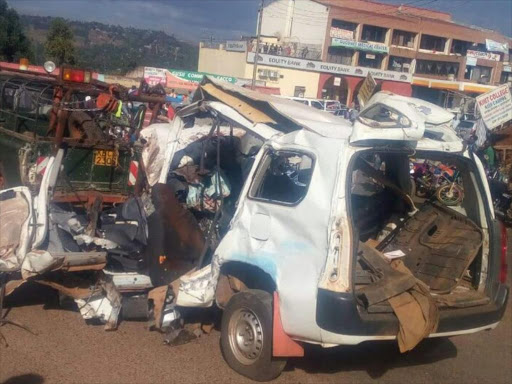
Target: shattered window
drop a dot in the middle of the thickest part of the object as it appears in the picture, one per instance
(381, 116)
(283, 177)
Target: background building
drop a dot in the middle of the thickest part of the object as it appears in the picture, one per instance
(325, 49)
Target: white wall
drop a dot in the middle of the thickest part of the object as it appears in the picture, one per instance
(221, 62)
(300, 21)
(290, 79)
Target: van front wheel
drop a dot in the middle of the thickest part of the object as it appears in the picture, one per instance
(246, 336)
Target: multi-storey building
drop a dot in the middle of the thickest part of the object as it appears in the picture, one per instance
(325, 49)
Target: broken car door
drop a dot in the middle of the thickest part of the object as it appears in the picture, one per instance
(279, 228)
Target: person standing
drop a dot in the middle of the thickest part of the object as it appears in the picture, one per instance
(170, 112)
(353, 113)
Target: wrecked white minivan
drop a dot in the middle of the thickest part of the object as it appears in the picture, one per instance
(300, 226)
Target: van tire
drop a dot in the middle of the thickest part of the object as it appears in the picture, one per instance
(250, 312)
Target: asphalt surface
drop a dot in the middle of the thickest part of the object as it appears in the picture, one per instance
(66, 350)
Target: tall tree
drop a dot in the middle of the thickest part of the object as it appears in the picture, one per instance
(59, 43)
(13, 42)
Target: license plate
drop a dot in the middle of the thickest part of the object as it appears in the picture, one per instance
(106, 158)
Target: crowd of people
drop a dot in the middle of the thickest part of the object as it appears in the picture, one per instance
(290, 49)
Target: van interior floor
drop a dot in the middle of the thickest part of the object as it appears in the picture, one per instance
(439, 247)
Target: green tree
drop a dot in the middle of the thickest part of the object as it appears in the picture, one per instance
(59, 43)
(13, 42)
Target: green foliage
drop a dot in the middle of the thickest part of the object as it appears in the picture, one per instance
(13, 42)
(59, 42)
(115, 49)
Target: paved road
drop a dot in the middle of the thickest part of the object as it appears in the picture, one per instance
(66, 350)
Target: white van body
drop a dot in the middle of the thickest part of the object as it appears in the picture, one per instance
(297, 256)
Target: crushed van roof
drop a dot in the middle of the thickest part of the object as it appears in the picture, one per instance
(282, 114)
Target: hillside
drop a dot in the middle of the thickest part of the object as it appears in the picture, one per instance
(115, 49)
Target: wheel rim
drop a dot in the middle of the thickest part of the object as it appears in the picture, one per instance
(450, 194)
(245, 336)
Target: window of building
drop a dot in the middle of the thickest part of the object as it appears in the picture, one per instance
(343, 29)
(506, 77)
(479, 47)
(478, 73)
(461, 47)
(283, 177)
(403, 38)
(433, 43)
(438, 68)
(373, 33)
(340, 55)
(299, 91)
(399, 64)
(370, 60)
(344, 25)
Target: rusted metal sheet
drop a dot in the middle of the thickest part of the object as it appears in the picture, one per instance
(391, 282)
(439, 245)
(158, 296)
(70, 285)
(87, 197)
(188, 240)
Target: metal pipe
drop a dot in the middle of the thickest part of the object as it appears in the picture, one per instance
(255, 64)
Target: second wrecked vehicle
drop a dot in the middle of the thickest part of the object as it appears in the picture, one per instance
(301, 227)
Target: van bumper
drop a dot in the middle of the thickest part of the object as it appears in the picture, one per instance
(338, 313)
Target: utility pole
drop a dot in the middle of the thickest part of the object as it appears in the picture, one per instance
(255, 65)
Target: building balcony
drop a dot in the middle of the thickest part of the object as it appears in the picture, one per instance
(290, 49)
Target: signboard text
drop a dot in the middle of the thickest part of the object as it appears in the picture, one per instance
(495, 106)
(318, 66)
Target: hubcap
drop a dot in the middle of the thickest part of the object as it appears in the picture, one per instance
(245, 336)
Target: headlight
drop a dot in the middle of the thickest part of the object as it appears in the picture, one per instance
(49, 66)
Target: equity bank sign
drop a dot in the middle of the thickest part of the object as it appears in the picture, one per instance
(318, 66)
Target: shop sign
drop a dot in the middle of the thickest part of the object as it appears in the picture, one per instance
(494, 46)
(507, 68)
(359, 45)
(367, 89)
(154, 76)
(259, 83)
(236, 46)
(341, 33)
(471, 61)
(319, 66)
(197, 77)
(495, 106)
(370, 56)
(483, 55)
(337, 81)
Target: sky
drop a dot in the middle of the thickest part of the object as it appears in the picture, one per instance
(195, 20)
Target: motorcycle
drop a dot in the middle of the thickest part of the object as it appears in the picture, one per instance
(441, 181)
(501, 196)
